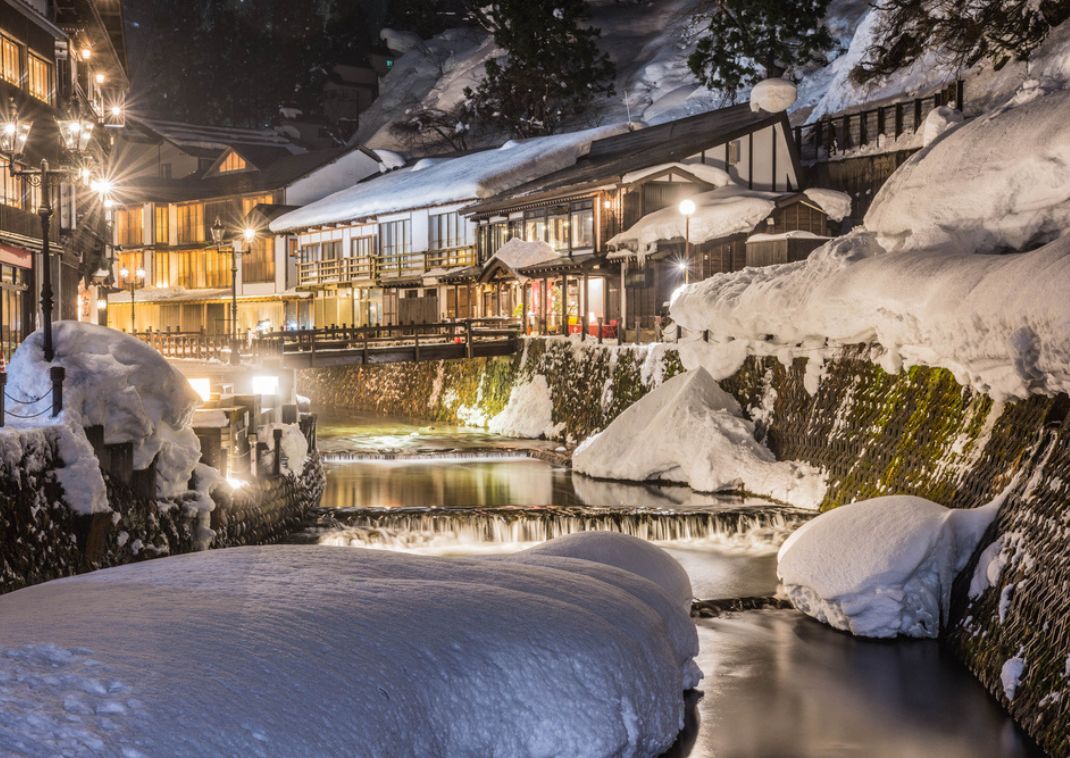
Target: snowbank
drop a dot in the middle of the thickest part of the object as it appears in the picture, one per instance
(385, 653)
(1000, 182)
(689, 430)
(939, 121)
(528, 413)
(450, 180)
(773, 95)
(881, 567)
(997, 322)
(718, 213)
(120, 383)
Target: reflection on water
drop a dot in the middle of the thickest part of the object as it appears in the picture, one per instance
(778, 683)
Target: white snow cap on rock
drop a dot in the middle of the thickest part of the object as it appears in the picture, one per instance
(528, 412)
(1000, 182)
(773, 95)
(689, 430)
(881, 567)
(118, 382)
(571, 650)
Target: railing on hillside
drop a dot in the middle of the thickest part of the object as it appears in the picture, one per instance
(880, 127)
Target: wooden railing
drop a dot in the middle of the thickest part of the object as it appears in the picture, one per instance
(419, 263)
(336, 270)
(836, 136)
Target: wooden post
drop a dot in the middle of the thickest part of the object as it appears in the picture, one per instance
(600, 319)
(276, 467)
(917, 113)
(564, 304)
(468, 338)
(3, 396)
(57, 373)
(584, 306)
(623, 322)
(638, 330)
(524, 307)
(364, 348)
(898, 120)
(544, 296)
(416, 347)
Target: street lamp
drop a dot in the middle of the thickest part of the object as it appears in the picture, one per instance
(687, 209)
(102, 309)
(248, 235)
(75, 135)
(139, 276)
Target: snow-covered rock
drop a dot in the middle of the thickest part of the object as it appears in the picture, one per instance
(773, 95)
(718, 213)
(574, 652)
(117, 382)
(881, 567)
(1000, 182)
(939, 121)
(528, 412)
(689, 430)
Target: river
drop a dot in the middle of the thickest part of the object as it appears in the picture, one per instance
(776, 683)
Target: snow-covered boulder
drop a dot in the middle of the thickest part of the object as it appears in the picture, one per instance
(773, 95)
(578, 654)
(689, 430)
(881, 567)
(117, 382)
(1000, 182)
(528, 412)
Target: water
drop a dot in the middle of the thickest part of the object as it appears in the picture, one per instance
(777, 683)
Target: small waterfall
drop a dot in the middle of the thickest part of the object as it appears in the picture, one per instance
(416, 456)
(509, 528)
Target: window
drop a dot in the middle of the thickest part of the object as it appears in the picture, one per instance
(557, 226)
(40, 78)
(128, 229)
(131, 261)
(233, 162)
(362, 247)
(535, 226)
(161, 227)
(582, 225)
(11, 188)
(191, 269)
(248, 203)
(258, 265)
(331, 251)
(395, 241)
(10, 61)
(190, 223)
(447, 231)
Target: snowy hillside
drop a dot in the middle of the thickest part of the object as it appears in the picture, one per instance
(650, 42)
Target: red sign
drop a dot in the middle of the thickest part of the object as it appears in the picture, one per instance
(16, 256)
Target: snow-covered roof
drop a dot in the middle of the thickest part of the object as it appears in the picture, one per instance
(704, 173)
(517, 254)
(795, 234)
(718, 213)
(440, 181)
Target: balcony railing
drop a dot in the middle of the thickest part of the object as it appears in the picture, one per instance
(419, 263)
(336, 270)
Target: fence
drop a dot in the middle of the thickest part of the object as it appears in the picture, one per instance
(50, 402)
(843, 133)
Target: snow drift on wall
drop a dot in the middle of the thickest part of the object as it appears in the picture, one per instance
(564, 652)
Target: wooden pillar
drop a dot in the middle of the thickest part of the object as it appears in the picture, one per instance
(584, 306)
(564, 304)
(524, 307)
(456, 301)
(542, 309)
(623, 294)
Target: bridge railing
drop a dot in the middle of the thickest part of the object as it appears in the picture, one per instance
(346, 337)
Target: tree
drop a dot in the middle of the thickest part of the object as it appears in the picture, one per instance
(962, 32)
(432, 127)
(750, 40)
(552, 68)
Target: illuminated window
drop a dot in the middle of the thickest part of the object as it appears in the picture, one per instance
(190, 223)
(233, 162)
(10, 64)
(258, 265)
(40, 78)
(128, 230)
(161, 227)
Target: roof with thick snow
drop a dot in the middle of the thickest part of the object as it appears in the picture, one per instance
(441, 181)
(611, 158)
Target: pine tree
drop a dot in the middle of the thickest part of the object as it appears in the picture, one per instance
(750, 40)
(962, 32)
(552, 69)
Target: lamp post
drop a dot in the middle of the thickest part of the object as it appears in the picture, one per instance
(687, 209)
(102, 310)
(248, 236)
(131, 282)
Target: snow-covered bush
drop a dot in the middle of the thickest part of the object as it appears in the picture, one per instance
(117, 382)
(689, 430)
(773, 95)
(578, 654)
(881, 567)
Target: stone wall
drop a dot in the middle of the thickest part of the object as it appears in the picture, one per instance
(41, 538)
(917, 432)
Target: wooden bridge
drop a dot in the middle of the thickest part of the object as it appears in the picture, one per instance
(347, 345)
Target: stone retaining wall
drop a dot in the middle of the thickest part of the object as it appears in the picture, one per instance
(917, 432)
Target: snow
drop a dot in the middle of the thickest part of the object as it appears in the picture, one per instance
(792, 235)
(895, 559)
(517, 254)
(1010, 674)
(399, 41)
(835, 204)
(773, 95)
(691, 431)
(24, 452)
(710, 174)
(389, 160)
(989, 568)
(1000, 182)
(552, 653)
(448, 180)
(528, 412)
(718, 213)
(293, 443)
(939, 121)
(120, 383)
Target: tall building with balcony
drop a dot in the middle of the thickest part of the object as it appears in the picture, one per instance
(178, 179)
(59, 59)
